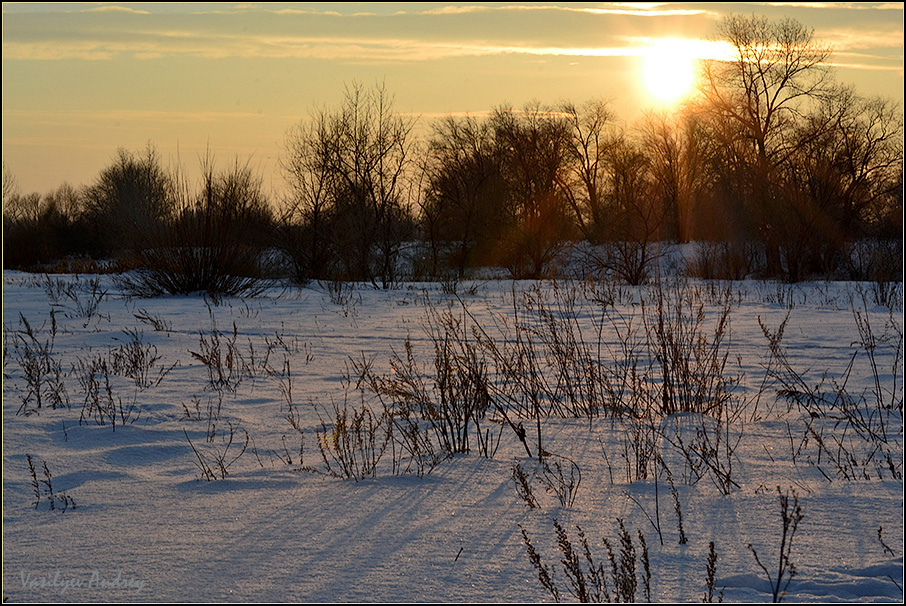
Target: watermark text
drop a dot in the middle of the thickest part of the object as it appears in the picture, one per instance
(61, 582)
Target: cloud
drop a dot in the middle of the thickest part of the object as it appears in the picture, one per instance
(81, 116)
(870, 65)
(846, 39)
(114, 9)
(636, 9)
(83, 50)
(693, 48)
(837, 5)
(160, 44)
(109, 32)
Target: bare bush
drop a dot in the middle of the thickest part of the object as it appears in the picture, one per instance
(708, 447)
(790, 516)
(558, 475)
(220, 355)
(413, 445)
(43, 373)
(710, 584)
(158, 323)
(591, 580)
(858, 434)
(100, 404)
(453, 400)
(524, 486)
(208, 412)
(74, 298)
(576, 384)
(723, 260)
(352, 442)
(693, 363)
(138, 361)
(343, 293)
(43, 488)
(211, 243)
(228, 362)
(214, 458)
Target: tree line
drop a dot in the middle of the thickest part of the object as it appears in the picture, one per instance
(775, 162)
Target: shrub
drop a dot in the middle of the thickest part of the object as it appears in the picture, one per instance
(137, 360)
(453, 401)
(790, 516)
(215, 457)
(723, 260)
(42, 371)
(590, 580)
(100, 404)
(871, 442)
(692, 363)
(354, 443)
(43, 488)
(560, 479)
(211, 243)
(76, 299)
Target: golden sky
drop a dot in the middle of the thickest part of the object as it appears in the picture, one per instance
(83, 79)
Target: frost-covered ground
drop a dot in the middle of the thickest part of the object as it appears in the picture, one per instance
(142, 523)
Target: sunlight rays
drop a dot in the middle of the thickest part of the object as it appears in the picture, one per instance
(670, 66)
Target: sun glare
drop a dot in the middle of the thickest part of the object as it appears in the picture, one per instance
(669, 70)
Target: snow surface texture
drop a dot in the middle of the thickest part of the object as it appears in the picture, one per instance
(125, 511)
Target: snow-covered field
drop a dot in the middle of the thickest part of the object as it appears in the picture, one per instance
(133, 427)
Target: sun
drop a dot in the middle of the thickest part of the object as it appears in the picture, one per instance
(669, 70)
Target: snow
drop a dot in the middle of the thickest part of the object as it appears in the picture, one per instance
(147, 525)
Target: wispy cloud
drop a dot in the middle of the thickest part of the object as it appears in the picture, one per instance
(837, 5)
(846, 39)
(109, 8)
(620, 8)
(868, 65)
(159, 44)
(77, 116)
(253, 31)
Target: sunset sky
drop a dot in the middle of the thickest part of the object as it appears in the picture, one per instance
(81, 80)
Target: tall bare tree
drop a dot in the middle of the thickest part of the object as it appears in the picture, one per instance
(845, 177)
(129, 199)
(534, 144)
(349, 165)
(464, 205)
(591, 136)
(637, 215)
(305, 220)
(778, 70)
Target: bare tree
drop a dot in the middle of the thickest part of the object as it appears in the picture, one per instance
(590, 139)
(755, 100)
(42, 229)
(843, 179)
(129, 198)
(663, 144)
(305, 221)
(350, 166)
(777, 69)
(464, 204)
(638, 217)
(533, 144)
(213, 237)
(10, 184)
(858, 153)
